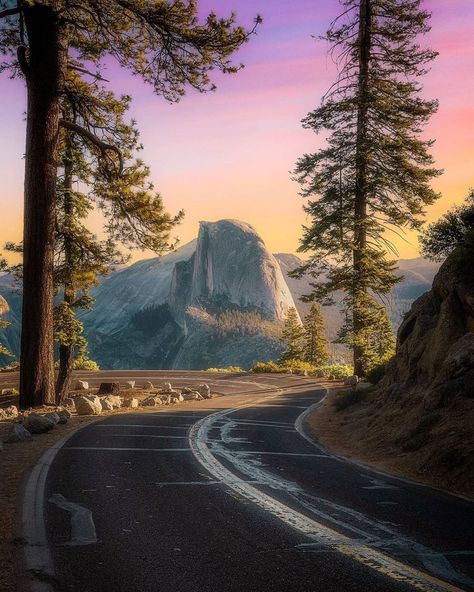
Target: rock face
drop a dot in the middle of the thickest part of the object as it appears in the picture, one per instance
(217, 301)
(435, 345)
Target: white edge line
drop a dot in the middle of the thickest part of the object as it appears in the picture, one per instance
(309, 527)
(299, 426)
(36, 552)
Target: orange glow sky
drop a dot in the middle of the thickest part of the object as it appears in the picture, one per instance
(228, 154)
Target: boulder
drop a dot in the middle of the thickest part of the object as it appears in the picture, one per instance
(204, 391)
(130, 384)
(167, 388)
(351, 381)
(17, 433)
(152, 401)
(88, 405)
(106, 404)
(131, 403)
(191, 395)
(10, 412)
(177, 398)
(187, 390)
(109, 388)
(39, 424)
(147, 385)
(53, 416)
(63, 415)
(81, 385)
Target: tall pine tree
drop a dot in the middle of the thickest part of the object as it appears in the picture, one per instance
(315, 343)
(372, 177)
(292, 336)
(161, 41)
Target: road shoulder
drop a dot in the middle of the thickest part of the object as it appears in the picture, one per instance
(347, 434)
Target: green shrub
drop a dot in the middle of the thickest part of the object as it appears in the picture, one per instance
(338, 371)
(297, 366)
(228, 370)
(266, 367)
(81, 363)
(345, 399)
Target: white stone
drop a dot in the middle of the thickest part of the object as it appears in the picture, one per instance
(106, 404)
(130, 403)
(191, 396)
(81, 385)
(113, 400)
(130, 384)
(167, 388)
(10, 412)
(88, 405)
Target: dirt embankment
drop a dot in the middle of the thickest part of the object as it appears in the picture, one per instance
(402, 438)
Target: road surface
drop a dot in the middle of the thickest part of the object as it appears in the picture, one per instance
(230, 495)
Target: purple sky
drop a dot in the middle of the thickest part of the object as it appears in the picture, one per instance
(228, 154)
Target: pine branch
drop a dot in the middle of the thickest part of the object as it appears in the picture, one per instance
(93, 139)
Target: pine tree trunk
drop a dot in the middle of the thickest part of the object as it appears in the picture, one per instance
(360, 202)
(66, 351)
(44, 75)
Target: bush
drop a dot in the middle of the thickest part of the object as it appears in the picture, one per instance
(81, 363)
(228, 370)
(345, 399)
(297, 366)
(266, 367)
(338, 371)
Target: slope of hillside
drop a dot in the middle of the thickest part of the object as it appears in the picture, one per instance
(419, 421)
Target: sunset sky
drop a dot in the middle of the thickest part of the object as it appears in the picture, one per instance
(229, 154)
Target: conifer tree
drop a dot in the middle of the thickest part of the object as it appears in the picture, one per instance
(292, 336)
(372, 177)
(3, 350)
(162, 42)
(315, 348)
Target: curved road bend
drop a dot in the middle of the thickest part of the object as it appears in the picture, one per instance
(228, 495)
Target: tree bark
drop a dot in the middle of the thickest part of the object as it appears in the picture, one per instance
(360, 202)
(45, 79)
(66, 351)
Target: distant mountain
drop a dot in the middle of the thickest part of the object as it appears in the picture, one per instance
(219, 300)
(216, 301)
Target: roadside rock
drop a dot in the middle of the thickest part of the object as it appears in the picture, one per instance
(191, 395)
(130, 384)
(204, 391)
(53, 416)
(39, 424)
(63, 415)
(106, 404)
(177, 399)
(17, 433)
(10, 412)
(351, 381)
(148, 385)
(81, 385)
(69, 402)
(88, 405)
(151, 401)
(109, 388)
(167, 388)
(131, 403)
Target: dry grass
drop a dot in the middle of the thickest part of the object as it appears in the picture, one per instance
(401, 437)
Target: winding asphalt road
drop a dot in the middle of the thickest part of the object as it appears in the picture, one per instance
(231, 495)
